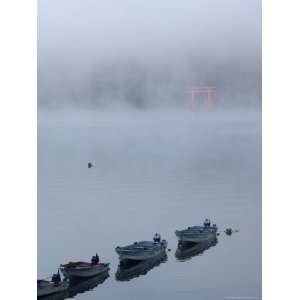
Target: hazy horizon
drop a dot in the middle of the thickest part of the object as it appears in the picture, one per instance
(146, 55)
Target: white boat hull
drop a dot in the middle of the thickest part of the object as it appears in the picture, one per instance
(195, 235)
(140, 257)
(197, 239)
(133, 253)
(84, 272)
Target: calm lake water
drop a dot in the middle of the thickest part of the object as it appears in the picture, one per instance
(153, 172)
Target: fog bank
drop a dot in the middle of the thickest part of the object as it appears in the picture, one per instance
(146, 54)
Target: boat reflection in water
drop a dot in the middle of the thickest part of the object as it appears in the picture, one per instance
(187, 250)
(57, 296)
(128, 270)
(79, 286)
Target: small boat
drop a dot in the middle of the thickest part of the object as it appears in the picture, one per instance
(143, 250)
(133, 269)
(84, 269)
(55, 285)
(197, 234)
(189, 249)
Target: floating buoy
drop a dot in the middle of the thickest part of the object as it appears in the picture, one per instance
(218, 234)
(90, 165)
(169, 249)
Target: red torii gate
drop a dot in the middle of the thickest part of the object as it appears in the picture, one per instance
(208, 90)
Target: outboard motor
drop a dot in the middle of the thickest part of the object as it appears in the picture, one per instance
(207, 223)
(56, 277)
(157, 238)
(95, 259)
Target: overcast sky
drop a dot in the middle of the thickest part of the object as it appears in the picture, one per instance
(175, 42)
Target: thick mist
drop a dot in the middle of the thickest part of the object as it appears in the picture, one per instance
(146, 54)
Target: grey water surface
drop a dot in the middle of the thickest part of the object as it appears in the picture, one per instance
(152, 172)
